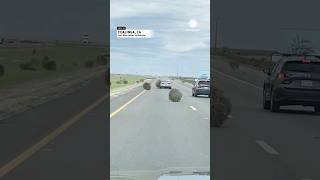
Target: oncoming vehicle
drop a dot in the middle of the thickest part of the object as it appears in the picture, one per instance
(201, 87)
(165, 84)
(292, 81)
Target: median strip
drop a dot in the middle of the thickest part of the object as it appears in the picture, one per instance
(43, 142)
(126, 104)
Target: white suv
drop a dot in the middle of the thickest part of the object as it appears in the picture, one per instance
(165, 84)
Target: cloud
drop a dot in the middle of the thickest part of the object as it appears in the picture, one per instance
(172, 42)
(116, 55)
(184, 45)
(127, 8)
(180, 10)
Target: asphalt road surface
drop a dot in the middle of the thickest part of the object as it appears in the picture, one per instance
(65, 138)
(259, 144)
(152, 134)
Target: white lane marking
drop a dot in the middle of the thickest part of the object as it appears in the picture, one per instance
(239, 80)
(267, 147)
(193, 108)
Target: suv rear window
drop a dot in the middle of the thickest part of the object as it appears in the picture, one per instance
(204, 83)
(300, 66)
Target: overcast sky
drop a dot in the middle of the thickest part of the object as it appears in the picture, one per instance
(54, 19)
(260, 23)
(174, 49)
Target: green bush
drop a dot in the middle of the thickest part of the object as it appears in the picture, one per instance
(175, 95)
(158, 83)
(221, 108)
(89, 64)
(146, 86)
(45, 60)
(141, 80)
(35, 62)
(118, 82)
(34, 51)
(137, 81)
(125, 81)
(50, 65)
(102, 59)
(234, 65)
(2, 70)
(27, 66)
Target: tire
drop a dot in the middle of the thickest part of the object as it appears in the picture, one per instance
(274, 105)
(266, 104)
(195, 94)
(317, 109)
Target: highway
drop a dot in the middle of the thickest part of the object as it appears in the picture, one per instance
(65, 138)
(153, 135)
(256, 143)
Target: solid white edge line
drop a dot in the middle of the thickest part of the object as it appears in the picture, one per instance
(239, 80)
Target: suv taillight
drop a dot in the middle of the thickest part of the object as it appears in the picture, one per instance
(282, 76)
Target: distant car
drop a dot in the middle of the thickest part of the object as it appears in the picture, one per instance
(201, 87)
(292, 82)
(165, 84)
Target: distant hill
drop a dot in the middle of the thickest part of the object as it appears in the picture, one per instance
(247, 52)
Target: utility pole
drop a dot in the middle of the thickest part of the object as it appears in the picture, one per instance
(216, 35)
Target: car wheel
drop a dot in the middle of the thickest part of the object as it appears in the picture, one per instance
(274, 105)
(317, 109)
(266, 104)
(195, 94)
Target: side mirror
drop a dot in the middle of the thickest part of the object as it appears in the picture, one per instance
(267, 71)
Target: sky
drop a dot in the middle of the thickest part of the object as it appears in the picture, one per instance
(263, 24)
(176, 48)
(54, 19)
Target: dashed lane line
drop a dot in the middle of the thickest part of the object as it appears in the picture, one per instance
(193, 108)
(267, 147)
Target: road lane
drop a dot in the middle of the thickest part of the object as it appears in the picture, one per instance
(81, 153)
(22, 131)
(289, 132)
(153, 133)
(175, 136)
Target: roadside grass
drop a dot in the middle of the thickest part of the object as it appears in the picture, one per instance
(235, 60)
(68, 59)
(187, 79)
(118, 80)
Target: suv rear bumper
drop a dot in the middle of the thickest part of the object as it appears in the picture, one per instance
(165, 86)
(286, 96)
(202, 91)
